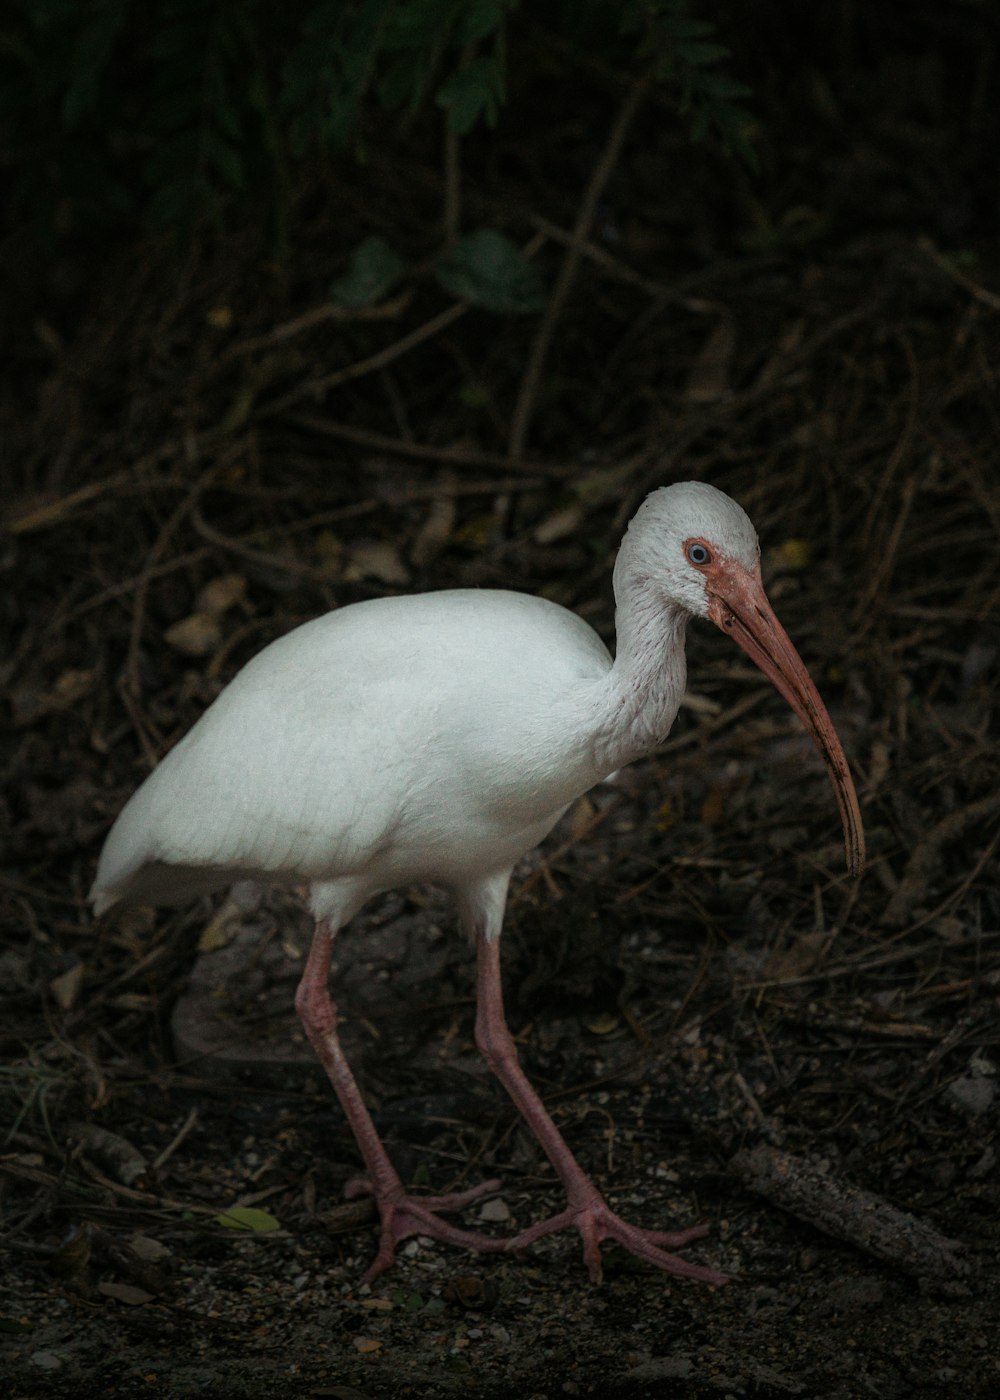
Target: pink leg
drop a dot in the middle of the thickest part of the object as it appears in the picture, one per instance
(401, 1214)
(586, 1208)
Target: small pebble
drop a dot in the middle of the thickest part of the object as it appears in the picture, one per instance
(496, 1210)
(48, 1360)
(973, 1094)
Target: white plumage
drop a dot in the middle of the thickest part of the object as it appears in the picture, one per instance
(433, 737)
(439, 737)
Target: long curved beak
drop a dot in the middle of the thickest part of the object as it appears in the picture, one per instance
(739, 606)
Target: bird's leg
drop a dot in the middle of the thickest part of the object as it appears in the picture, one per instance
(586, 1208)
(401, 1214)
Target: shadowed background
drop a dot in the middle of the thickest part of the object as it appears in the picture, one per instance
(257, 376)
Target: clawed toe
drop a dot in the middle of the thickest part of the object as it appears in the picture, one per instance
(597, 1222)
(403, 1216)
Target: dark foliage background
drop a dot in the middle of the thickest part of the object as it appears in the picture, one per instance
(310, 303)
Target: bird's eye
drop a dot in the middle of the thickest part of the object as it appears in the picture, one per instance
(698, 554)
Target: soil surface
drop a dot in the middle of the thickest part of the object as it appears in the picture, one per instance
(725, 1026)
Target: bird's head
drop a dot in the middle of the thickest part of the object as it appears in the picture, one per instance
(695, 548)
(688, 542)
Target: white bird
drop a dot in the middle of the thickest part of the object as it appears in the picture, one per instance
(438, 737)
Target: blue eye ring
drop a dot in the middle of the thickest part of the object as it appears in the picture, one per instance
(698, 553)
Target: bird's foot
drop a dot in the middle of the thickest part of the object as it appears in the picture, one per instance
(403, 1215)
(596, 1222)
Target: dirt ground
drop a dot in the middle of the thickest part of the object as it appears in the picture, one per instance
(725, 1026)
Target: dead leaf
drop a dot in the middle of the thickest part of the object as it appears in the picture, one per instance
(791, 557)
(470, 1291)
(878, 768)
(435, 532)
(709, 375)
(367, 1344)
(71, 687)
(476, 533)
(581, 818)
(666, 816)
(67, 986)
(220, 594)
(559, 524)
(798, 960)
(329, 551)
(197, 635)
(30, 704)
(377, 559)
(222, 927)
(713, 809)
(125, 1293)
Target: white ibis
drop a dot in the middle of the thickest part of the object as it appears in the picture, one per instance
(438, 737)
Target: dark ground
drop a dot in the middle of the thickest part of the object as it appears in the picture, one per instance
(690, 973)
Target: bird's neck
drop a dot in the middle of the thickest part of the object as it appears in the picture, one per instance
(646, 682)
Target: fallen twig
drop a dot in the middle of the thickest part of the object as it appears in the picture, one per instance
(848, 1213)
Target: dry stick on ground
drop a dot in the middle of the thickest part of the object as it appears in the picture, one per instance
(658, 291)
(422, 451)
(266, 559)
(241, 545)
(848, 1213)
(329, 311)
(129, 585)
(58, 511)
(54, 512)
(315, 388)
(862, 967)
(528, 393)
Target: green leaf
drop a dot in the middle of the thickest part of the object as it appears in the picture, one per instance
(374, 269)
(488, 269)
(700, 54)
(470, 93)
(480, 18)
(248, 1218)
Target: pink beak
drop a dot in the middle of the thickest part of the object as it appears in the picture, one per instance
(738, 604)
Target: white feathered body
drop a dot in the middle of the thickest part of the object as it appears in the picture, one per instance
(432, 737)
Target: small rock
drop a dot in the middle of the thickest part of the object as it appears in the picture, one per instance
(972, 1095)
(662, 1368)
(496, 1210)
(48, 1360)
